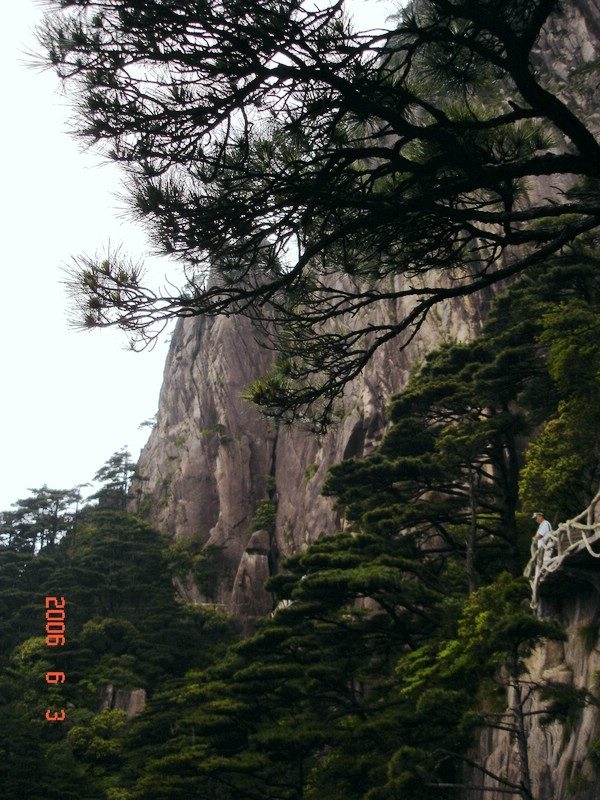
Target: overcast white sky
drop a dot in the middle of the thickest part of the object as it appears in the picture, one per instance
(68, 399)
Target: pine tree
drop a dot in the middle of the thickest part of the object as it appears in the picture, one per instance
(115, 475)
(39, 519)
(304, 172)
(561, 471)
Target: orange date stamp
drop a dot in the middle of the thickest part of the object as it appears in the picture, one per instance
(55, 637)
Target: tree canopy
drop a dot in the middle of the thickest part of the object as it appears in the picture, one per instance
(125, 628)
(306, 173)
(116, 475)
(39, 519)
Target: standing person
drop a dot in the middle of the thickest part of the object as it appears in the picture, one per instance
(542, 535)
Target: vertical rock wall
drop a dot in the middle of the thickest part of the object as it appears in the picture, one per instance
(212, 457)
(559, 754)
(560, 762)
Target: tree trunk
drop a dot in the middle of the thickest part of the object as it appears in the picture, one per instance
(520, 732)
(471, 538)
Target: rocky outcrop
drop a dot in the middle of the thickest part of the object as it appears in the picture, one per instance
(563, 754)
(131, 701)
(567, 55)
(561, 760)
(567, 52)
(212, 457)
(250, 598)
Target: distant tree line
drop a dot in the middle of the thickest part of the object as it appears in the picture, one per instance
(44, 516)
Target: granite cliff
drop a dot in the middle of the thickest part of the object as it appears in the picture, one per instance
(559, 752)
(212, 457)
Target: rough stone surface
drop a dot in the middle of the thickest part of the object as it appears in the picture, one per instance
(559, 758)
(249, 598)
(559, 755)
(212, 457)
(207, 461)
(131, 701)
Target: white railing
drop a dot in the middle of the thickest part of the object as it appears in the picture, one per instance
(572, 536)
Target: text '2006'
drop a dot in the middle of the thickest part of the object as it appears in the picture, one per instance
(55, 637)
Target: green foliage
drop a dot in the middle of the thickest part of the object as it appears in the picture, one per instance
(120, 615)
(590, 633)
(124, 628)
(594, 751)
(565, 702)
(310, 471)
(562, 462)
(21, 577)
(115, 476)
(496, 627)
(561, 468)
(100, 740)
(264, 517)
(561, 471)
(385, 160)
(40, 519)
(449, 464)
(394, 642)
(189, 557)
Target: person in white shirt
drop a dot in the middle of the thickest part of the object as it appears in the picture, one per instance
(544, 529)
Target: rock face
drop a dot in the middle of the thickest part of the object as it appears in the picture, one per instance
(207, 461)
(131, 701)
(250, 599)
(212, 457)
(559, 753)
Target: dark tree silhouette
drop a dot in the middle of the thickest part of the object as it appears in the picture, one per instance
(304, 173)
(39, 519)
(115, 475)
